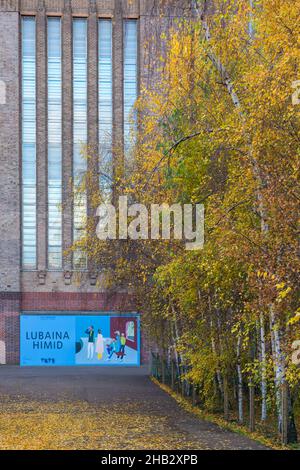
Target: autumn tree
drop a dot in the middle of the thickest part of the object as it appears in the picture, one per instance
(220, 128)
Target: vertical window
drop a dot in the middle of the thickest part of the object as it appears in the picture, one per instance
(130, 330)
(105, 104)
(28, 143)
(54, 144)
(79, 131)
(130, 82)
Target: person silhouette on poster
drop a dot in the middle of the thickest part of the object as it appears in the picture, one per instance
(123, 344)
(91, 334)
(99, 345)
(111, 349)
(118, 343)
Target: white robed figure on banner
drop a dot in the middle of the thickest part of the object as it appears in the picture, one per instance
(99, 345)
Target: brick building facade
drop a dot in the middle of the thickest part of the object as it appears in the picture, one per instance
(39, 288)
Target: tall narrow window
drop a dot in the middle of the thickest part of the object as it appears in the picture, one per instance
(105, 105)
(79, 132)
(28, 143)
(130, 330)
(130, 82)
(54, 144)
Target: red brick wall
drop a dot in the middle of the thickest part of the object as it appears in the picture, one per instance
(9, 327)
(76, 301)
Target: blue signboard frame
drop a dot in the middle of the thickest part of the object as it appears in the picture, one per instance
(77, 339)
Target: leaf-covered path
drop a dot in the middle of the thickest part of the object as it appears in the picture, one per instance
(99, 408)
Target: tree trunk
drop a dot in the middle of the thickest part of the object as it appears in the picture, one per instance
(284, 413)
(263, 368)
(278, 365)
(240, 380)
(214, 350)
(226, 398)
(292, 430)
(175, 336)
(172, 375)
(251, 408)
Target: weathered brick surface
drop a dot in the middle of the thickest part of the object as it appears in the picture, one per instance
(9, 155)
(9, 184)
(67, 130)
(92, 100)
(41, 137)
(117, 51)
(9, 327)
(9, 5)
(77, 301)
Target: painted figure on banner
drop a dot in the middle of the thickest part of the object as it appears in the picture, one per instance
(111, 349)
(118, 342)
(91, 334)
(99, 345)
(123, 344)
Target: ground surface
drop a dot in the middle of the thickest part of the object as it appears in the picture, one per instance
(99, 408)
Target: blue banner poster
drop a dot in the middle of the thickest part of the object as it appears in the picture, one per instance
(65, 340)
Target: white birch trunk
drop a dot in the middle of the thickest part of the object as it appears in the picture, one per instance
(251, 29)
(240, 379)
(214, 348)
(263, 368)
(178, 357)
(279, 367)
